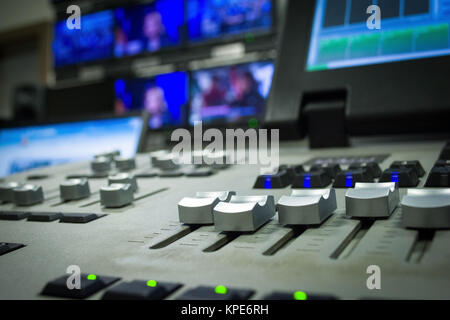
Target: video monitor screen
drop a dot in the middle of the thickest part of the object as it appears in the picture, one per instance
(345, 35)
(164, 97)
(209, 19)
(94, 41)
(231, 94)
(25, 148)
(148, 28)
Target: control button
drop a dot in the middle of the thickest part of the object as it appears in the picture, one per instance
(44, 216)
(89, 284)
(9, 247)
(170, 174)
(306, 207)
(372, 200)
(442, 163)
(146, 175)
(79, 217)
(439, 177)
(298, 295)
(125, 164)
(124, 178)
(110, 155)
(28, 195)
(348, 178)
(373, 169)
(404, 177)
(422, 208)
(199, 172)
(6, 191)
(217, 293)
(101, 165)
(74, 189)
(279, 180)
(157, 154)
(12, 215)
(243, 213)
(331, 169)
(166, 162)
(141, 290)
(312, 179)
(116, 195)
(415, 165)
(199, 210)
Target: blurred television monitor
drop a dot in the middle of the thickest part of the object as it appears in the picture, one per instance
(231, 94)
(149, 27)
(94, 41)
(211, 19)
(27, 147)
(163, 97)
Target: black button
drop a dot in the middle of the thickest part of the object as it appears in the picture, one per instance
(8, 247)
(439, 177)
(79, 217)
(332, 169)
(372, 168)
(12, 215)
(442, 163)
(171, 174)
(146, 175)
(38, 177)
(348, 178)
(279, 180)
(415, 165)
(312, 179)
(445, 153)
(44, 216)
(200, 172)
(290, 296)
(209, 293)
(58, 287)
(404, 177)
(141, 290)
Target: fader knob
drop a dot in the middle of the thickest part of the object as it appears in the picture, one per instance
(6, 191)
(123, 178)
(116, 195)
(101, 165)
(125, 164)
(74, 189)
(28, 195)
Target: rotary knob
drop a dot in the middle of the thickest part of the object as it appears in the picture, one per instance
(124, 178)
(116, 195)
(6, 191)
(28, 195)
(101, 165)
(125, 164)
(74, 189)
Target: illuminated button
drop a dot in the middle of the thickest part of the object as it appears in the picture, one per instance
(426, 208)
(298, 295)
(404, 177)
(199, 210)
(6, 191)
(101, 165)
(348, 178)
(372, 200)
(28, 195)
(306, 207)
(74, 189)
(124, 178)
(216, 293)
(89, 284)
(332, 169)
(243, 213)
(125, 164)
(278, 180)
(372, 168)
(414, 165)
(141, 290)
(116, 195)
(312, 179)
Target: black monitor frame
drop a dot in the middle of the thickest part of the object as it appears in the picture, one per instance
(399, 97)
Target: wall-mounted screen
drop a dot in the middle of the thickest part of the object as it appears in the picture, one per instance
(230, 94)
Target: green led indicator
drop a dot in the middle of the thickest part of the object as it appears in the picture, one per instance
(92, 277)
(152, 283)
(221, 290)
(300, 295)
(253, 123)
(250, 37)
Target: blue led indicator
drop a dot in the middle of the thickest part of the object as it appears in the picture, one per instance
(268, 182)
(394, 177)
(348, 180)
(307, 181)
